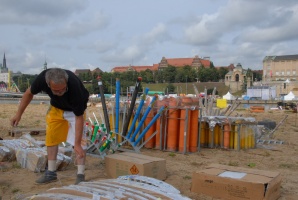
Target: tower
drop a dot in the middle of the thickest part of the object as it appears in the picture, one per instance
(45, 65)
(4, 69)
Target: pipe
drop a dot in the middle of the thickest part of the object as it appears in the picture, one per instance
(137, 113)
(104, 106)
(149, 125)
(117, 105)
(143, 118)
(132, 104)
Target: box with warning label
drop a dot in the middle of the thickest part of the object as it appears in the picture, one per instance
(237, 183)
(128, 163)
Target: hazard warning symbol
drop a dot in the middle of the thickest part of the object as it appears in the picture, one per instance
(134, 170)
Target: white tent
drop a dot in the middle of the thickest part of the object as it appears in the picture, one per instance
(229, 96)
(289, 96)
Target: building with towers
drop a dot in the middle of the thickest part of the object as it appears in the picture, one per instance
(4, 73)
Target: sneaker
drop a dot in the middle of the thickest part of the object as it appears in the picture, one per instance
(80, 178)
(47, 177)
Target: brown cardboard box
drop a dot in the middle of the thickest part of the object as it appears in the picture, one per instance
(127, 163)
(227, 182)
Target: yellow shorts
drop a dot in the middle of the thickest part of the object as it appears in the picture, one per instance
(61, 127)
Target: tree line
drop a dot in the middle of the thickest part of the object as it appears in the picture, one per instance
(168, 75)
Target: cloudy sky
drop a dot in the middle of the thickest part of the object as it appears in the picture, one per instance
(85, 34)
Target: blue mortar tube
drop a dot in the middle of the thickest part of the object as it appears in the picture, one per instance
(117, 105)
(137, 113)
(149, 125)
(132, 139)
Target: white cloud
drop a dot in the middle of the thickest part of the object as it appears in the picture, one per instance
(76, 28)
(85, 34)
(38, 12)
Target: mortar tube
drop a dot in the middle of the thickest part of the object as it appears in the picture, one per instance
(149, 125)
(96, 127)
(132, 139)
(117, 105)
(132, 104)
(105, 145)
(92, 130)
(104, 106)
(95, 118)
(137, 113)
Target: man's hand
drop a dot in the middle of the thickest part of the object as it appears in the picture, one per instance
(79, 151)
(26, 99)
(15, 120)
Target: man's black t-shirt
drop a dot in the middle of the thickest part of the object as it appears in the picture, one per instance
(75, 99)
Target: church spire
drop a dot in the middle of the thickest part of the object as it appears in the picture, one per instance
(45, 65)
(3, 68)
(4, 62)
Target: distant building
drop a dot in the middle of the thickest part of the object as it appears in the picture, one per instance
(45, 65)
(4, 77)
(235, 78)
(84, 71)
(4, 68)
(97, 70)
(133, 68)
(280, 68)
(4, 74)
(261, 92)
(195, 62)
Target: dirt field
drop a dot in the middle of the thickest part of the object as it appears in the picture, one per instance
(17, 183)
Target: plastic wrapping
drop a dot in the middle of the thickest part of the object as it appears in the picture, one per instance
(5, 154)
(34, 159)
(125, 187)
(65, 161)
(31, 140)
(11, 146)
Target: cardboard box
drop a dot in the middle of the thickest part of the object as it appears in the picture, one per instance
(127, 163)
(227, 182)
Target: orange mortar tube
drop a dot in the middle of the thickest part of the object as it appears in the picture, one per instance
(202, 136)
(217, 135)
(173, 127)
(194, 131)
(232, 136)
(227, 131)
(182, 129)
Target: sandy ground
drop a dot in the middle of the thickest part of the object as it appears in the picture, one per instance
(17, 183)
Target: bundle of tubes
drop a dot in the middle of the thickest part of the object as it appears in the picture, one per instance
(228, 132)
(108, 137)
(165, 123)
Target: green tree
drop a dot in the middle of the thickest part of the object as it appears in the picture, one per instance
(170, 88)
(169, 74)
(222, 71)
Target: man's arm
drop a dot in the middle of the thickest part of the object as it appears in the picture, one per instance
(78, 135)
(26, 99)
